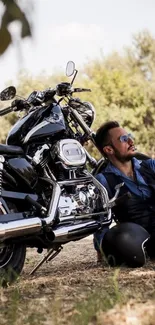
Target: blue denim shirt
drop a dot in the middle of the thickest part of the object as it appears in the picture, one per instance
(139, 187)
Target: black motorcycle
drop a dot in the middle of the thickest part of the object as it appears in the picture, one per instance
(48, 197)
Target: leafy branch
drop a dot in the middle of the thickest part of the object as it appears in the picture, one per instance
(12, 13)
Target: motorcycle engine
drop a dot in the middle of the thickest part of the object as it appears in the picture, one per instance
(79, 198)
(83, 201)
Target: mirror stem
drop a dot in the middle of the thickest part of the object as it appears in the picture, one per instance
(76, 71)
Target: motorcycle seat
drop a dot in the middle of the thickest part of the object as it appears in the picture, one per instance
(10, 150)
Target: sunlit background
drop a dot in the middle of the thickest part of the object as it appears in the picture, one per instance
(78, 30)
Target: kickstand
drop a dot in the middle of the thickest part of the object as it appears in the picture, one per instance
(48, 257)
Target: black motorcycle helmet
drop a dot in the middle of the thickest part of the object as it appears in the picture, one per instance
(125, 244)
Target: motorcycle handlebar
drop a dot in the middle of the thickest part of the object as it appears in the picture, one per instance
(36, 98)
(17, 105)
(6, 111)
(79, 90)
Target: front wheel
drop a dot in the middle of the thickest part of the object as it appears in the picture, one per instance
(12, 260)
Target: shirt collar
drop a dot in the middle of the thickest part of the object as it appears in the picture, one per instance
(112, 169)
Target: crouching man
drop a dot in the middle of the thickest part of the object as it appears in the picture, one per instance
(134, 235)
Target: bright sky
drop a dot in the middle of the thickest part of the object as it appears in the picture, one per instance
(75, 30)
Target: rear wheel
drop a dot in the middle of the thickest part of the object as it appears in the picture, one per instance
(12, 257)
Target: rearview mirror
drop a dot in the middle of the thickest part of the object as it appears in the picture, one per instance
(70, 68)
(8, 93)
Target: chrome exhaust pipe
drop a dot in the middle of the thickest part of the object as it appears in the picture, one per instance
(19, 228)
(64, 234)
(12, 229)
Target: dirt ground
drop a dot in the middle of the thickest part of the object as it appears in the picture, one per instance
(73, 289)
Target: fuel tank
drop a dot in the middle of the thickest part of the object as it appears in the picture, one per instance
(43, 123)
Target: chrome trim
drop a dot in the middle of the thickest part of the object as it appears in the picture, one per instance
(87, 216)
(37, 158)
(53, 204)
(81, 122)
(64, 150)
(49, 175)
(51, 215)
(76, 181)
(90, 178)
(20, 228)
(31, 225)
(64, 234)
(34, 225)
(92, 161)
(2, 159)
(103, 190)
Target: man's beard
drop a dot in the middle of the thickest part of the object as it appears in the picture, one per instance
(123, 158)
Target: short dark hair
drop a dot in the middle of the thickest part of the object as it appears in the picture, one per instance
(102, 137)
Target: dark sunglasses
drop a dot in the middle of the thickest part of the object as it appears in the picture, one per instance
(126, 137)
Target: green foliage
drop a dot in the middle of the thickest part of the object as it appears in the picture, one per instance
(123, 89)
(12, 12)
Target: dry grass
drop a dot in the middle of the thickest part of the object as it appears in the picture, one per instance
(74, 290)
(131, 314)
